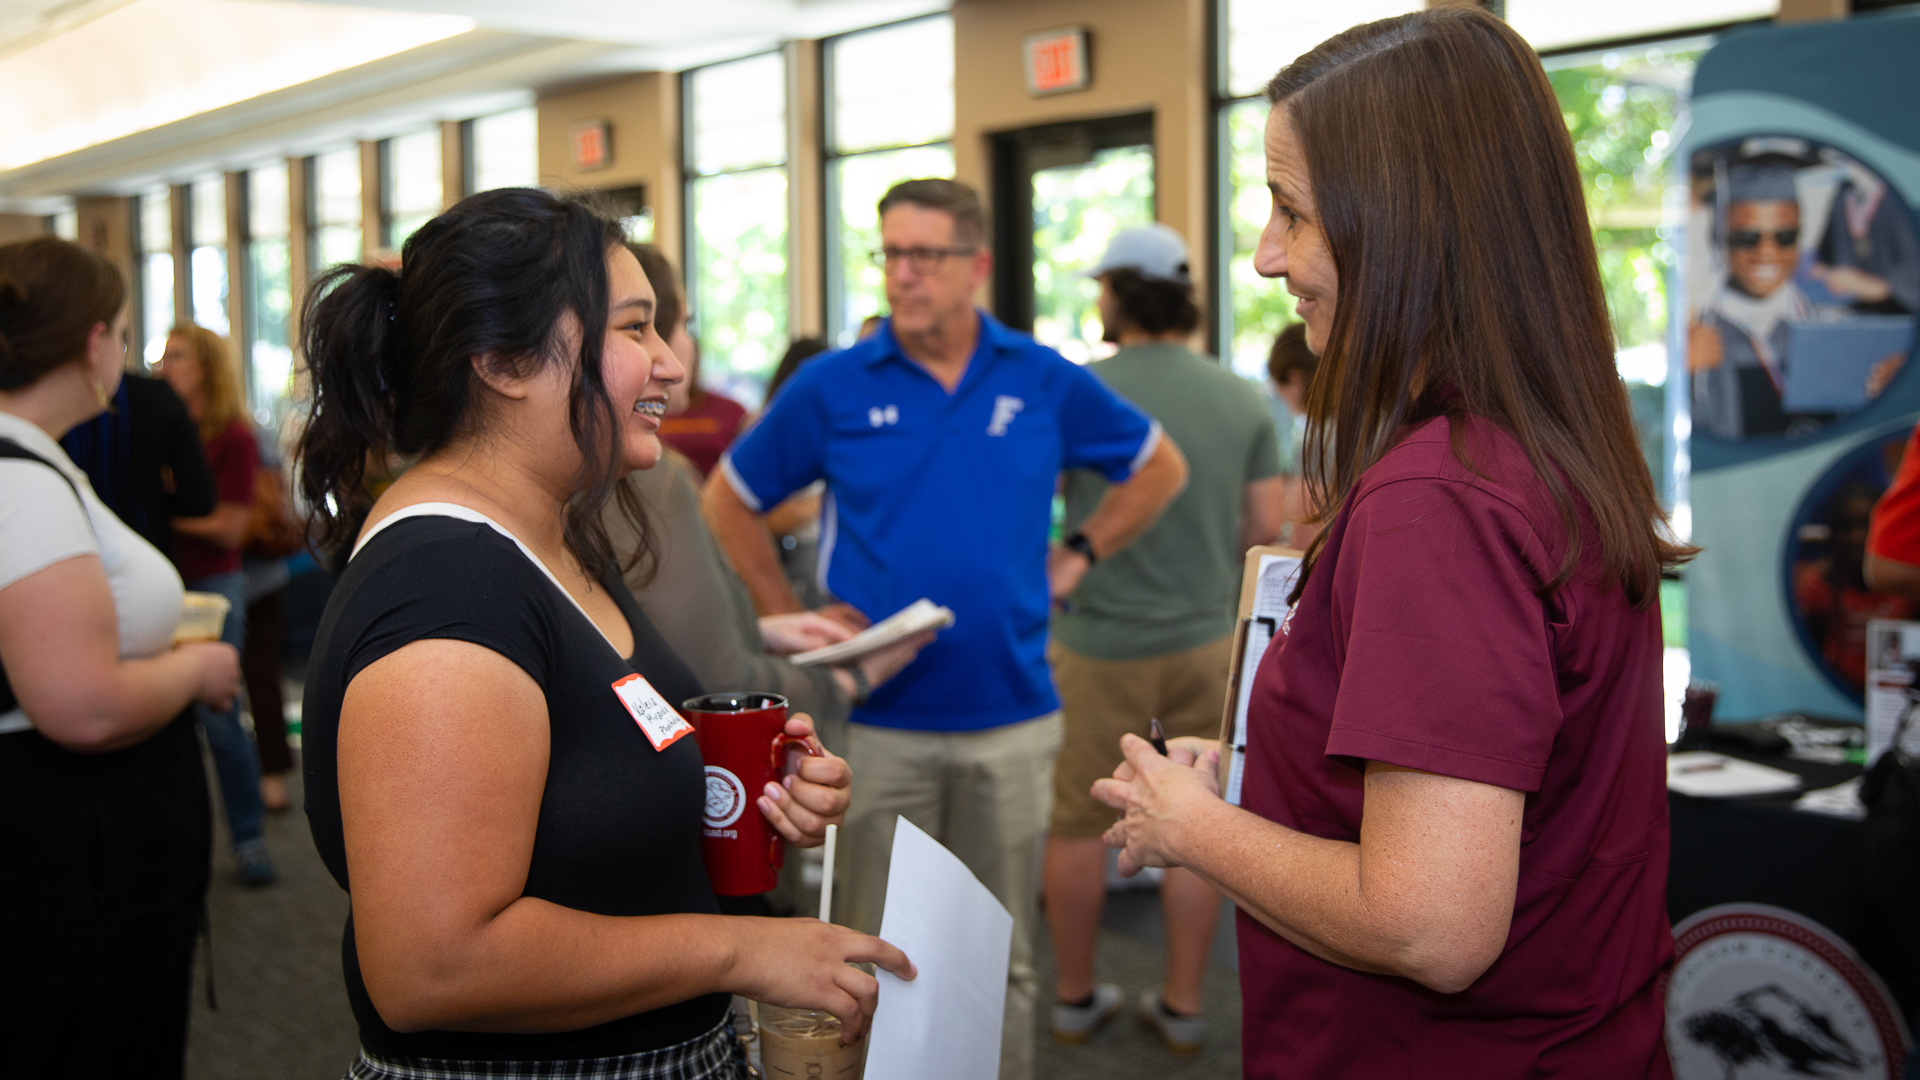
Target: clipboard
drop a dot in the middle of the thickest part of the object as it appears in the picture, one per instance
(1265, 581)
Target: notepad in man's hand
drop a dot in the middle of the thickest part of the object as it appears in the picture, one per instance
(921, 615)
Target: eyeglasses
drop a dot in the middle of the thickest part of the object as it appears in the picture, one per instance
(1745, 239)
(922, 260)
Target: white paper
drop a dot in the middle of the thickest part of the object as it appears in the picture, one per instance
(1716, 776)
(1270, 613)
(922, 614)
(1841, 801)
(945, 1024)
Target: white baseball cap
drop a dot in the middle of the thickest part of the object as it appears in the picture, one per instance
(1155, 251)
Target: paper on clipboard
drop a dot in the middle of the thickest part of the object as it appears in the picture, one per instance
(1265, 585)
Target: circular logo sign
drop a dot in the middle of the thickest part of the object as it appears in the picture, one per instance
(1759, 993)
(726, 798)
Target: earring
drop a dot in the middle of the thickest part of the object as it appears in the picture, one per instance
(99, 389)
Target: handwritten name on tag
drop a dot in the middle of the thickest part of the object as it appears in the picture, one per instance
(663, 726)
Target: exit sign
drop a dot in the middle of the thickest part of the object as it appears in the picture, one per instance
(592, 144)
(1057, 61)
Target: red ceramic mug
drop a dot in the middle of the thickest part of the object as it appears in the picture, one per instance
(743, 740)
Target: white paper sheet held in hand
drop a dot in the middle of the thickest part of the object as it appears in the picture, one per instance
(945, 1024)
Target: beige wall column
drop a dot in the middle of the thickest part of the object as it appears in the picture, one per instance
(239, 275)
(1143, 57)
(453, 162)
(372, 243)
(806, 231)
(643, 112)
(106, 227)
(15, 227)
(298, 256)
(178, 196)
(1812, 10)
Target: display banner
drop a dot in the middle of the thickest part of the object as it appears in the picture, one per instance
(1796, 328)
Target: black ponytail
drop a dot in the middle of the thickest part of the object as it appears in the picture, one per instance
(391, 355)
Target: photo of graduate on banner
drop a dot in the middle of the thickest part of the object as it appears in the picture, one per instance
(1804, 277)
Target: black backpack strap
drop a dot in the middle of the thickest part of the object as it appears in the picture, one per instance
(11, 449)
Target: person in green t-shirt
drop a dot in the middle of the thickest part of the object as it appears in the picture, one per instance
(1147, 633)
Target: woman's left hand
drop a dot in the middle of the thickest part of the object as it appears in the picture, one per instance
(810, 797)
(1157, 798)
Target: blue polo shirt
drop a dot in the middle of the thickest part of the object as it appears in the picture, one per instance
(946, 496)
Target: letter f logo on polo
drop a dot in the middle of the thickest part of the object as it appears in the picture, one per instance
(1005, 406)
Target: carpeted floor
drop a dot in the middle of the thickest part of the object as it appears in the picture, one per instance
(283, 1011)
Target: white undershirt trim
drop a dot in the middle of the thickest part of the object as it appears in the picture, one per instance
(465, 513)
(1147, 447)
(739, 484)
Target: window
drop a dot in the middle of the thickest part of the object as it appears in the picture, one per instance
(503, 151)
(207, 242)
(269, 295)
(737, 220)
(1625, 109)
(1262, 37)
(66, 224)
(410, 185)
(1549, 24)
(333, 215)
(153, 214)
(889, 118)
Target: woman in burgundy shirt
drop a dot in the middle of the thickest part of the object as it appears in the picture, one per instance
(1452, 855)
(200, 366)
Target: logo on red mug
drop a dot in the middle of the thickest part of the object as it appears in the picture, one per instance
(726, 798)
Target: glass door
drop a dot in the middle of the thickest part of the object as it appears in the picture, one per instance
(1064, 190)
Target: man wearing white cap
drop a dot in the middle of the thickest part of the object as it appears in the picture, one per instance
(1147, 633)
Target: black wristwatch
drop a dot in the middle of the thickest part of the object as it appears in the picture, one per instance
(862, 689)
(1079, 542)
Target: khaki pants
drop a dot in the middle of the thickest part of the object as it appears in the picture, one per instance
(982, 794)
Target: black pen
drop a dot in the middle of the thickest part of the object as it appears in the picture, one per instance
(1157, 736)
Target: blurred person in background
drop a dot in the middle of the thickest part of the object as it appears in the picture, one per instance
(1149, 631)
(940, 440)
(700, 423)
(144, 459)
(200, 366)
(522, 858)
(104, 822)
(795, 523)
(274, 534)
(1290, 366)
(692, 594)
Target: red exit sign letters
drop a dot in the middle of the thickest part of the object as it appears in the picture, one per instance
(1057, 61)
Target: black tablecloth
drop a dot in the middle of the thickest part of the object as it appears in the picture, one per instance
(1762, 851)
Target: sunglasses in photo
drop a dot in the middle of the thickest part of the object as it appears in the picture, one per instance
(1745, 239)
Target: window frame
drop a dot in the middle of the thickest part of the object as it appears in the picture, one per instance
(691, 176)
(833, 280)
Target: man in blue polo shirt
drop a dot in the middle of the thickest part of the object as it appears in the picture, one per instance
(940, 439)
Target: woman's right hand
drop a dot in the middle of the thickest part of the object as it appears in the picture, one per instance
(219, 672)
(808, 964)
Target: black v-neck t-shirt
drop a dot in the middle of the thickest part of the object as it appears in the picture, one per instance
(619, 828)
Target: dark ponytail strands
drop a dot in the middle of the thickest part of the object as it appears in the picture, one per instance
(391, 354)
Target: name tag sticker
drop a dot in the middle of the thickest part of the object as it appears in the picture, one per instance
(663, 726)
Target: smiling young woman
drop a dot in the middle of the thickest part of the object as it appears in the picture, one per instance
(523, 858)
(1451, 854)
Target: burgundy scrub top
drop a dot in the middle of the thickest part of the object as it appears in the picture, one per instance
(1422, 641)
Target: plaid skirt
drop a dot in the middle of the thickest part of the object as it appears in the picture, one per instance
(717, 1055)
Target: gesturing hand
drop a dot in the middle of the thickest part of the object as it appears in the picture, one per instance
(1158, 797)
(813, 793)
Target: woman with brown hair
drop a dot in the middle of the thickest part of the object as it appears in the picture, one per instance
(200, 366)
(103, 804)
(1451, 854)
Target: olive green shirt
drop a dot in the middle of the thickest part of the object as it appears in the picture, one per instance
(1173, 588)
